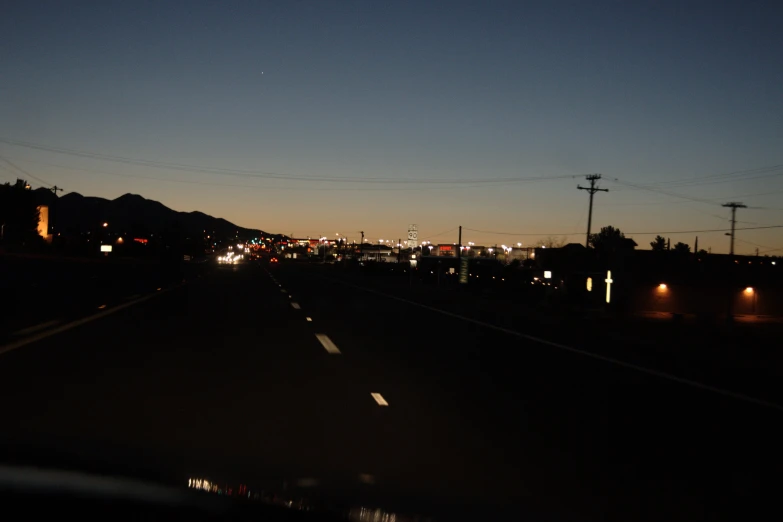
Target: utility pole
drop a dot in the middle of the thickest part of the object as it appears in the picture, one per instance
(361, 246)
(56, 189)
(399, 250)
(733, 206)
(592, 189)
(459, 243)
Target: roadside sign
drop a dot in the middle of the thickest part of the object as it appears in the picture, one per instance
(413, 236)
(463, 271)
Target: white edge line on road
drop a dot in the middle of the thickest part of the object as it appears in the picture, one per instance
(327, 343)
(295, 306)
(36, 328)
(379, 399)
(84, 320)
(610, 360)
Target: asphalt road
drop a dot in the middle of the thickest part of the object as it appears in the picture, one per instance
(234, 375)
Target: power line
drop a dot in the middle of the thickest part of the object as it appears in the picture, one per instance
(256, 187)
(664, 192)
(442, 233)
(701, 231)
(270, 175)
(646, 233)
(6, 169)
(769, 248)
(24, 172)
(519, 233)
(756, 173)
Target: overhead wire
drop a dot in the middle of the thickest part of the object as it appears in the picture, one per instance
(769, 248)
(495, 232)
(24, 172)
(255, 187)
(442, 233)
(272, 175)
(755, 173)
(662, 191)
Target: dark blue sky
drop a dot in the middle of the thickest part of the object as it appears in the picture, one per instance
(645, 92)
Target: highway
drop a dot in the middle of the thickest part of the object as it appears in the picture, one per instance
(294, 376)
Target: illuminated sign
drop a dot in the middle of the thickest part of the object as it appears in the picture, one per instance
(43, 221)
(547, 274)
(105, 248)
(140, 240)
(445, 248)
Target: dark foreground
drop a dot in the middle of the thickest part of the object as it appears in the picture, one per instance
(223, 378)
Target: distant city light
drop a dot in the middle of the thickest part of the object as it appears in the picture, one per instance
(589, 284)
(662, 286)
(105, 224)
(547, 274)
(749, 290)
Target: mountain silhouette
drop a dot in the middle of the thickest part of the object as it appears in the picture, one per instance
(133, 214)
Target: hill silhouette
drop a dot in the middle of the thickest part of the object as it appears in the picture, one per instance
(135, 214)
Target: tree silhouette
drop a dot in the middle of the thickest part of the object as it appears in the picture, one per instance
(553, 242)
(682, 248)
(658, 244)
(609, 238)
(18, 213)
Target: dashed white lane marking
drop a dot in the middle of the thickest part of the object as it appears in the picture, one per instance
(73, 324)
(102, 307)
(36, 328)
(282, 291)
(309, 319)
(379, 399)
(296, 306)
(327, 343)
(610, 360)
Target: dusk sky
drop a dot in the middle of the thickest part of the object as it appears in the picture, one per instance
(348, 116)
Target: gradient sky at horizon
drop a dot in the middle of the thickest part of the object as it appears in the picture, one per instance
(642, 92)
